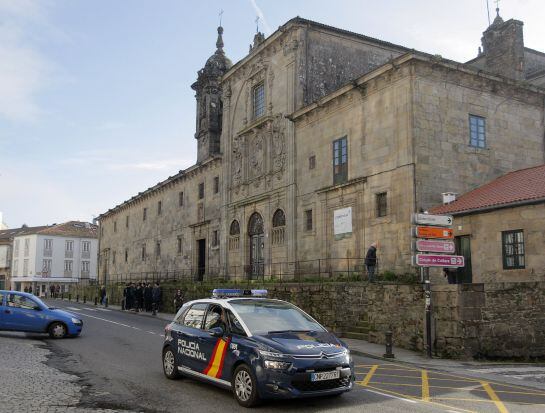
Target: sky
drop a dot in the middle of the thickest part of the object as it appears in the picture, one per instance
(95, 96)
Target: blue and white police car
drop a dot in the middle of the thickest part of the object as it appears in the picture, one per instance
(259, 348)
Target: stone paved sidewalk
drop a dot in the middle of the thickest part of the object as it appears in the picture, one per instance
(27, 384)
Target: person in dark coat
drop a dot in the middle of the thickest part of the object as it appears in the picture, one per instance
(450, 274)
(147, 297)
(140, 297)
(103, 295)
(178, 300)
(130, 296)
(156, 296)
(371, 261)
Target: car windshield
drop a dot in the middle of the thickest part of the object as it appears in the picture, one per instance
(272, 316)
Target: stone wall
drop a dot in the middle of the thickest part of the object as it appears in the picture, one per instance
(501, 320)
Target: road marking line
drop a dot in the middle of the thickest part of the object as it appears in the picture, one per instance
(103, 309)
(109, 321)
(151, 332)
(425, 386)
(73, 308)
(367, 378)
(391, 395)
(492, 394)
(513, 369)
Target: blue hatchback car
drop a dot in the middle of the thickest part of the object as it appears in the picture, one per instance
(26, 312)
(257, 347)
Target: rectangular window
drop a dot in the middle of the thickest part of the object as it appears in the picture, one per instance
(25, 268)
(513, 249)
(258, 98)
(113, 257)
(201, 190)
(216, 184)
(27, 246)
(158, 249)
(85, 266)
(215, 238)
(312, 162)
(143, 252)
(195, 315)
(340, 161)
(181, 198)
(86, 245)
(126, 255)
(46, 267)
(48, 244)
(308, 220)
(16, 247)
(69, 245)
(144, 214)
(115, 226)
(179, 241)
(68, 266)
(159, 207)
(477, 131)
(382, 204)
(127, 221)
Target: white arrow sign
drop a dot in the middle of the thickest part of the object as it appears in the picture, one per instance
(427, 219)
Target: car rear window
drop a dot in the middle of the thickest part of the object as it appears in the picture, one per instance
(195, 315)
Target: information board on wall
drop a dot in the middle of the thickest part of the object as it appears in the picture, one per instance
(342, 222)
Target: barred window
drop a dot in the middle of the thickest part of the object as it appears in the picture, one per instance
(382, 204)
(279, 224)
(513, 249)
(216, 184)
(201, 190)
(477, 131)
(308, 220)
(279, 219)
(235, 228)
(259, 100)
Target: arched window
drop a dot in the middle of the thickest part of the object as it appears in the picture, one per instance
(255, 225)
(234, 236)
(279, 224)
(279, 219)
(235, 228)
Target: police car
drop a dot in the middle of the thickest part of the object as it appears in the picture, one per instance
(259, 348)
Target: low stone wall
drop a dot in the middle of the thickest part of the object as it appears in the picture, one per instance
(500, 320)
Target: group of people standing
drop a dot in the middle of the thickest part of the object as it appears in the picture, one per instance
(142, 297)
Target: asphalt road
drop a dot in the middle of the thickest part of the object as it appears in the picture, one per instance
(118, 359)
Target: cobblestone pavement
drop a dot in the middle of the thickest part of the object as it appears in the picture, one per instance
(27, 384)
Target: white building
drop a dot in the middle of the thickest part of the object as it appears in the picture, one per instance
(55, 255)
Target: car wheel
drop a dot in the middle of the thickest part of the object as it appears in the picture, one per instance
(57, 330)
(244, 385)
(169, 364)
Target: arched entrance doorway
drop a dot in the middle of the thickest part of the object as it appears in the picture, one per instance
(257, 240)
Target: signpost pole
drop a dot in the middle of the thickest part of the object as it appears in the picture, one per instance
(427, 293)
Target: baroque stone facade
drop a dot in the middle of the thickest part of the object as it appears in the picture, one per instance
(317, 143)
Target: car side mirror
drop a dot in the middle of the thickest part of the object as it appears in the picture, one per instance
(216, 332)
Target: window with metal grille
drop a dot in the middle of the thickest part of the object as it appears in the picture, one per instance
(308, 220)
(216, 184)
(340, 161)
(279, 225)
(259, 100)
(513, 249)
(477, 131)
(234, 235)
(382, 204)
(201, 190)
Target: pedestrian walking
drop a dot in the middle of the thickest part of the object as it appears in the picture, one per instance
(178, 300)
(371, 261)
(52, 290)
(103, 295)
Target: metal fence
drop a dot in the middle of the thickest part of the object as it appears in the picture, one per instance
(326, 269)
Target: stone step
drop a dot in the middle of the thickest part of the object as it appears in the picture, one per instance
(358, 336)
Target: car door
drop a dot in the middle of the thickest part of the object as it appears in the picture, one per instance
(216, 347)
(2, 307)
(188, 338)
(22, 313)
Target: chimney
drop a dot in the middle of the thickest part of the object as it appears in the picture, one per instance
(503, 48)
(448, 197)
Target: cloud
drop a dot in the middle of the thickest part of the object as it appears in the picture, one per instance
(151, 166)
(24, 71)
(261, 16)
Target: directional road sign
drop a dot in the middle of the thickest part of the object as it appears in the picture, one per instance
(434, 232)
(427, 219)
(435, 246)
(430, 260)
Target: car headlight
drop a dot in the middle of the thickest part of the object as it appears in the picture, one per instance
(277, 365)
(76, 321)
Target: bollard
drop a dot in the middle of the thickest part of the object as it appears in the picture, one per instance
(69, 297)
(388, 354)
(84, 299)
(77, 298)
(95, 300)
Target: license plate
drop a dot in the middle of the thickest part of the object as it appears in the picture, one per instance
(325, 375)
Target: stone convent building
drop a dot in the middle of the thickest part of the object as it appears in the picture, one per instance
(321, 141)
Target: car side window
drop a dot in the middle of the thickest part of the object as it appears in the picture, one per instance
(19, 301)
(195, 315)
(181, 314)
(215, 318)
(234, 324)
(1, 299)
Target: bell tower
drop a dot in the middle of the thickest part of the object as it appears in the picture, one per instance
(209, 103)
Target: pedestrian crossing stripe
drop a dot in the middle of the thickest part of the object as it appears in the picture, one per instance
(215, 366)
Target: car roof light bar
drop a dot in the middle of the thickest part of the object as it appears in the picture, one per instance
(231, 292)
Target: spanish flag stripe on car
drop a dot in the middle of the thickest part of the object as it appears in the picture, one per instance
(215, 366)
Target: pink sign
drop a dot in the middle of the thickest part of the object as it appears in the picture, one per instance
(435, 246)
(430, 260)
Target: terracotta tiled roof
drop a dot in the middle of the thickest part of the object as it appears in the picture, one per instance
(518, 186)
(68, 229)
(7, 234)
